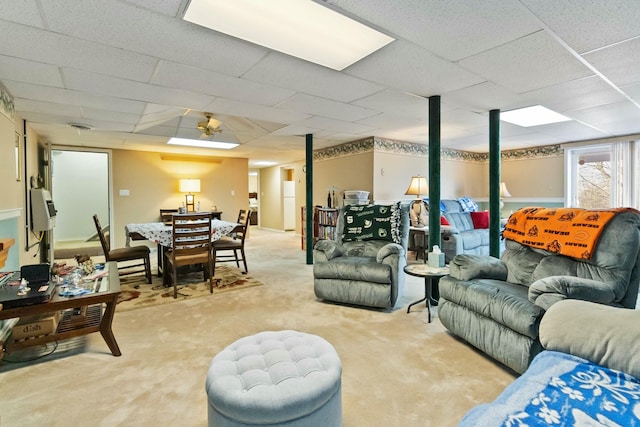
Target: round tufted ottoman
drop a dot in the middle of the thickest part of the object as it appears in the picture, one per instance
(276, 378)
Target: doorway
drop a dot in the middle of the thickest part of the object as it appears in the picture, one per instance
(80, 187)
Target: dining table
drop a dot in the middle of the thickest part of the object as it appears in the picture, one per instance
(162, 234)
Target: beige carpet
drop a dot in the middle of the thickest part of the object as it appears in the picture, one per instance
(398, 370)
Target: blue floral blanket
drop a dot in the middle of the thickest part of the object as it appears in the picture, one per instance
(563, 390)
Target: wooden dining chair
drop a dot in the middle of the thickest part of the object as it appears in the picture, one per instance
(191, 244)
(233, 243)
(125, 254)
(167, 214)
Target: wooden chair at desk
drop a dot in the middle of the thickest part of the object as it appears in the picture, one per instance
(124, 254)
(234, 243)
(191, 245)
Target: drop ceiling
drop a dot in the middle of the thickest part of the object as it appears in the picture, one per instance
(137, 74)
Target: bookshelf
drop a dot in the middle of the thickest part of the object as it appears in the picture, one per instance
(324, 224)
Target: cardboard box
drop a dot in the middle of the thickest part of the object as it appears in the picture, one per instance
(35, 326)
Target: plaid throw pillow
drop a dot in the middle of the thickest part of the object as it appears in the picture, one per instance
(468, 204)
(372, 222)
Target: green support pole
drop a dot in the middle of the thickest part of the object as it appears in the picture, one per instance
(434, 171)
(309, 203)
(494, 183)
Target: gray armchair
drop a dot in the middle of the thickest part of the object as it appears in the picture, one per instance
(364, 264)
(496, 304)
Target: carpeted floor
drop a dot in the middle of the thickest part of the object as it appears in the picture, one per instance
(398, 370)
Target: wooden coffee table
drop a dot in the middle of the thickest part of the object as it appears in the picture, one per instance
(70, 326)
(431, 276)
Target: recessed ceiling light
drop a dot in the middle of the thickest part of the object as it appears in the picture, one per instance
(202, 143)
(533, 116)
(301, 28)
(263, 163)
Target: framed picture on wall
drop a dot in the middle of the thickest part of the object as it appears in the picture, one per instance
(19, 157)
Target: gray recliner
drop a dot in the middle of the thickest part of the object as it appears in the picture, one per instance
(362, 272)
(496, 304)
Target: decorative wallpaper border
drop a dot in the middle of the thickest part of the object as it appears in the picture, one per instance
(7, 107)
(375, 144)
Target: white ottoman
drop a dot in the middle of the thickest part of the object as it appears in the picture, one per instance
(281, 378)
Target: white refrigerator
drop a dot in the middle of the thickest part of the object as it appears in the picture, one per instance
(289, 205)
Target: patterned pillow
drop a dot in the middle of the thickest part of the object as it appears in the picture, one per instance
(468, 204)
(372, 222)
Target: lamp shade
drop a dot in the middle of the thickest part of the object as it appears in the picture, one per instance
(189, 185)
(503, 190)
(418, 186)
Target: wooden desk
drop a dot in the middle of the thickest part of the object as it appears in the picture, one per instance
(95, 321)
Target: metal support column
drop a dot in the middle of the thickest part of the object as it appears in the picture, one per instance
(434, 171)
(494, 183)
(309, 202)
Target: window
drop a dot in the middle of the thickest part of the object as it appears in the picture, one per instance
(602, 175)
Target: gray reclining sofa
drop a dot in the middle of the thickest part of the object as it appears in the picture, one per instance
(496, 304)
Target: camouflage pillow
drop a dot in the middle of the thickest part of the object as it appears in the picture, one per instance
(372, 222)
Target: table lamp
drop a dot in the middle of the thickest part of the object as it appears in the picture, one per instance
(503, 193)
(418, 187)
(190, 186)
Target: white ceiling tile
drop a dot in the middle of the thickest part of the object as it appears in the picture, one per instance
(259, 112)
(571, 130)
(397, 102)
(618, 63)
(484, 97)
(110, 116)
(451, 29)
(285, 71)
(523, 65)
(406, 66)
(108, 86)
(42, 107)
(607, 113)
(166, 7)
(335, 125)
(390, 120)
(326, 108)
(57, 49)
(633, 92)
(23, 12)
(128, 27)
(622, 127)
(71, 97)
(173, 75)
(589, 24)
(575, 94)
(22, 70)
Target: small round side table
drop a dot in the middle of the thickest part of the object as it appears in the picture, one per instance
(431, 276)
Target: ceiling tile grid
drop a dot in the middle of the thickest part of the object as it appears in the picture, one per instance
(138, 73)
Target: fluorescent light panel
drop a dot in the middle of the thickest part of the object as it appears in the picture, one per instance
(533, 116)
(202, 143)
(301, 28)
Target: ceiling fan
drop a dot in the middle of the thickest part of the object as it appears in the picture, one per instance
(210, 126)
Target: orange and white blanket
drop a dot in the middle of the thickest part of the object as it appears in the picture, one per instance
(572, 232)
